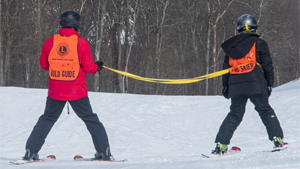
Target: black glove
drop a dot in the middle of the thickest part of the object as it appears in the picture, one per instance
(225, 92)
(269, 90)
(99, 64)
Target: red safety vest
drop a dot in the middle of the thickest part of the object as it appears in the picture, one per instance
(245, 64)
(63, 58)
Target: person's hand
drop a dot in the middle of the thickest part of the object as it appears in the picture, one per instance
(225, 92)
(99, 64)
(269, 90)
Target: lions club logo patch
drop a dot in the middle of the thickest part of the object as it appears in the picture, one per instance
(63, 49)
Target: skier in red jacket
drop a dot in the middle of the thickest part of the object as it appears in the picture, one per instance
(68, 58)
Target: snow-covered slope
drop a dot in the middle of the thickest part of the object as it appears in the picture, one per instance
(168, 132)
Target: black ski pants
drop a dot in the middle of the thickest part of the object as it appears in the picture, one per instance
(237, 111)
(52, 112)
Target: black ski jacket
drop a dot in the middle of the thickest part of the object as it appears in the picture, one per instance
(256, 81)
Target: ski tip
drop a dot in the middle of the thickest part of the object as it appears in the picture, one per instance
(78, 157)
(52, 157)
(235, 148)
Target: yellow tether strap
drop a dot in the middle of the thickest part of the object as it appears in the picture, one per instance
(172, 81)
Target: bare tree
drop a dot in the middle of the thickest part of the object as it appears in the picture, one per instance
(11, 16)
(1, 50)
(298, 72)
(160, 21)
(156, 39)
(99, 37)
(129, 40)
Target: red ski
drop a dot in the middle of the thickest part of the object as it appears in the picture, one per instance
(233, 150)
(80, 158)
(20, 162)
(276, 149)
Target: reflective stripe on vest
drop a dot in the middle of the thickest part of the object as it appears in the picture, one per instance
(245, 64)
(63, 59)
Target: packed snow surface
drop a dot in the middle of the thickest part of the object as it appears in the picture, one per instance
(152, 132)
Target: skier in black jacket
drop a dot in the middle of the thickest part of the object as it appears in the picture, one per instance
(256, 84)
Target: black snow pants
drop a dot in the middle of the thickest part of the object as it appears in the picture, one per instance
(237, 111)
(52, 112)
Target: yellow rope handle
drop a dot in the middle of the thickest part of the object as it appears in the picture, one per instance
(175, 81)
(171, 81)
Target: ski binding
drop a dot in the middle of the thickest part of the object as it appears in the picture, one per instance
(20, 162)
(233, 150)
(80, 158)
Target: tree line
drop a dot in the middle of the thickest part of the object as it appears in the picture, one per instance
(164, 39)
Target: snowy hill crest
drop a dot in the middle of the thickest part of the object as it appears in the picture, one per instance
(151, 131)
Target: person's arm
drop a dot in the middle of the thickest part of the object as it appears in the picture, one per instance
(225, 90)
(45, 53)
(87, 63)
(266, 61)
(225, 76)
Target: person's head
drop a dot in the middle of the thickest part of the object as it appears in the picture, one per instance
(70, 19)
(246, 23)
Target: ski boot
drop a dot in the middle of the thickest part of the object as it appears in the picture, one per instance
(220, 149)
(278, 143)
(30, 156)
(104, 156)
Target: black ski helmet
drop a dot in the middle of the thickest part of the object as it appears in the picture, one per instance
(246, 23)
(70, 19)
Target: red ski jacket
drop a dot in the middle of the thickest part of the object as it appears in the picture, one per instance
(69, 90)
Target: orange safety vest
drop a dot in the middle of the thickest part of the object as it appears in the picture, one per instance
(245, 64)
(63, 58)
